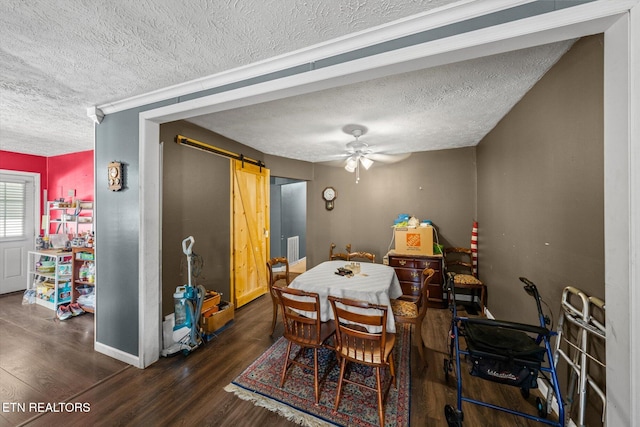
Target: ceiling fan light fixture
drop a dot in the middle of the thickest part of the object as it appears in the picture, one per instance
(366, 162)
(351, 165)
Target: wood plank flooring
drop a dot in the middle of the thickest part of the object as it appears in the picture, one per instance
(45, 360)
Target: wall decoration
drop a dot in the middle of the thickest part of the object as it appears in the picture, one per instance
(114, 176)
(329, 195)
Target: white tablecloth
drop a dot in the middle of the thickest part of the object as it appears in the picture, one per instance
(376, 283)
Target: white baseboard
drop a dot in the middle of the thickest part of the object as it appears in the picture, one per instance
(118, 354)
(299, 261)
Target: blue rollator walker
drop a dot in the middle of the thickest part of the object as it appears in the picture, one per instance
(504, 352)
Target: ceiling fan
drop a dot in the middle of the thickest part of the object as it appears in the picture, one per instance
(360, 154)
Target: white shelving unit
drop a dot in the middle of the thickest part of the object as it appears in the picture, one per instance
(68, 218)
(50, 273)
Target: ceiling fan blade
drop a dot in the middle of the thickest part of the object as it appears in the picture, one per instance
(388, 158)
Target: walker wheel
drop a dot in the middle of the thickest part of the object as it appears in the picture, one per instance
(453, 417)
(541, 405)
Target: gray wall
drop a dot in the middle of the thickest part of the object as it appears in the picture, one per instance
(541, 192)
(435, 185)
(117, 225)
(289, 168)
(196, 202)
(541, 187)
(275, 213)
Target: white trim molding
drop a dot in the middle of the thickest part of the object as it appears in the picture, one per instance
(149, 301)
(622, 215)
(118, 354)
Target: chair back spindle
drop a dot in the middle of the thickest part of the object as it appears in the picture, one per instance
(340, 255)
(277, 279)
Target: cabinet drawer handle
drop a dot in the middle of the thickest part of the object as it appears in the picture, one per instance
(415, 274)
(402, 262)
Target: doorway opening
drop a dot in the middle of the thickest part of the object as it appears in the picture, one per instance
(289, 220)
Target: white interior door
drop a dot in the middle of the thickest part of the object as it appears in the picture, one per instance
(17, 227)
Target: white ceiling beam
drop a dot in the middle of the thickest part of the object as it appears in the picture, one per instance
(432, 19)
(590, 18)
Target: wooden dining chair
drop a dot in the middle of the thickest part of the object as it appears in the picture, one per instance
(355, 344)
(363, 256)
(304, 331)
(413, 312)
(339, 255)
(459, 261)
(277, 279)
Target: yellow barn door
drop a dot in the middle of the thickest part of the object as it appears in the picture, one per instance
(250, 231)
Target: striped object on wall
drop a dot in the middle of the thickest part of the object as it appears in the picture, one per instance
(474, 248)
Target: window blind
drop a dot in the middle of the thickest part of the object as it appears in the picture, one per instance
(12, 209)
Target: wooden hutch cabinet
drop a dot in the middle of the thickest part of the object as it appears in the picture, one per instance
(409, 271)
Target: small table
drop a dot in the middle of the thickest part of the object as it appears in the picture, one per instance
(376, 283)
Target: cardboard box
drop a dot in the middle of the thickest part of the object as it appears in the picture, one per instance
(209, 311)
(414, 241)
(217, 320)
(211, 299)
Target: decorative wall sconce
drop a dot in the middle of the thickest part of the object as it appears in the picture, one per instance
(114, 176)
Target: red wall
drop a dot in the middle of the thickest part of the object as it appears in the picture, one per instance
(26, 163)
(71, 172)
(58, 174)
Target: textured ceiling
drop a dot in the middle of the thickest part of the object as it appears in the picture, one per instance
(443, 107)
(59, 57)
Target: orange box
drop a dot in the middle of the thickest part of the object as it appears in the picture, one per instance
(414, 241)
(208, 312)
(211, 299)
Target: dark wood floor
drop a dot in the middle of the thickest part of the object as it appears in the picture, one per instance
(45, 360)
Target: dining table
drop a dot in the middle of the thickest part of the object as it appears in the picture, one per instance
(374, 283)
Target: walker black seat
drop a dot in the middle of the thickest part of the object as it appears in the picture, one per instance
(503, 355)
(502, 343)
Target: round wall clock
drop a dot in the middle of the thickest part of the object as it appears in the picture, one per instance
(329, 195)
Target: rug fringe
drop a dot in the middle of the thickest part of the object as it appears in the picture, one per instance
(292, 414)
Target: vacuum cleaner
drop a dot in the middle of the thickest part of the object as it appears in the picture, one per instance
(187, 306)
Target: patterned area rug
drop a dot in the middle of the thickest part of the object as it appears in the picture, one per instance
(259, 383)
